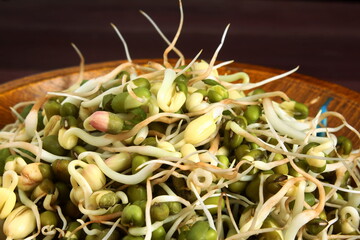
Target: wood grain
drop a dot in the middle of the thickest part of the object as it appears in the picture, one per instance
(299, 87)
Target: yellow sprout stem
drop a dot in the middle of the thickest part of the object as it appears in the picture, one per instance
(144, 150)
(205, 209)
(238, 130)
(30, 204)
(98, 141)
(300, 198)
(283, 127)
(46, 156)
(92, 83)
(147, 210)
(118, 177)
(85, 186)
(10, 180)
(137, 127)
(85, 211)
(172, 45)
(177, 51)
(62, 217)
(212, 61)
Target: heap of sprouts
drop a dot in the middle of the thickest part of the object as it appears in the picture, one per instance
(175, 150)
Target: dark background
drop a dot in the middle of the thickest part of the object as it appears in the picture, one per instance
(323, 37)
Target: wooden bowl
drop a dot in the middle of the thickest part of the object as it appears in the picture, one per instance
(299, 87)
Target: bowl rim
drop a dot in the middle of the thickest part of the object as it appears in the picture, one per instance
(44, 76)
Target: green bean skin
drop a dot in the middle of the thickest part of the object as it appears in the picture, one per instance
(281, 169)
(301, 111)
(122, 74)
(123, 102)
(129, 237)
(308, 146)
(25, 111)
(47, 186)
(77, 235)
(77, 150)
(253, 155)
(71, 210)
(158, 126)
(237, 187)
(115, 125)
(344, 145)
(69, 109)
(236, 140)
(136, 193)
(274, 183)
(46, 170)
(270, 223)
(93, 237)
(108, 200)
(256, 154)
(310, 199)
(49, 218)
(149, 141)
(301, 164)
(316, 225)
(4, 153)
(217, 93)
(270, 236)
(60, 170)
(258, 91)
(202, 92)
(183, 235)
(133, 216)
(68, 122)
(141, 204)
(201, 231)
(159, 211)
(231, 232)
(158, 234)
(232, 140)
(118, 102)
(137, 161)
(241, 150)
(251, 190)
(140, 92)
(106, 102)
(211, 82)
(51, 144)
(215, 201)
(64, 192)
(142, 82)
(174, 207)
(116, 208)
(224, 161)
(115, 235)
(97, 226)
(252, 113)
(52, 107)
(181, 86)
(318, 169)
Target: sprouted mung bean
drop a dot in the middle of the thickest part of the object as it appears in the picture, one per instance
(163, 151)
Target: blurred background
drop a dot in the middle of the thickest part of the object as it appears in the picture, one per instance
(323, 37)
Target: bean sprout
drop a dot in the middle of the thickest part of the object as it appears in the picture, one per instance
(177, 150)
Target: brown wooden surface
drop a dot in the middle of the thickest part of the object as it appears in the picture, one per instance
(299, 87)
